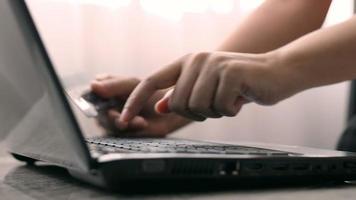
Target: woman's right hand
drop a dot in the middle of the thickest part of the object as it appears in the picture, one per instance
(216, 84)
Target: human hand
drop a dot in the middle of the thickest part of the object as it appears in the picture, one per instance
(212, 85)
(148, 123)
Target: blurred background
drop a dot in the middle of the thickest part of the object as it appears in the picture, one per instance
(137, 37)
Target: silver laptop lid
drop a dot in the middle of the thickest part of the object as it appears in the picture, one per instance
(35, 118)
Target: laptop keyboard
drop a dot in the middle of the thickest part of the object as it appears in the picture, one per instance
(123, 145)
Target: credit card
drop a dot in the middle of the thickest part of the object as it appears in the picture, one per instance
(91, 104)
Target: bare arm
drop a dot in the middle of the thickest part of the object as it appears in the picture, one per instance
(276, 23)
(273, 24)
(218, 83)
(323, 57)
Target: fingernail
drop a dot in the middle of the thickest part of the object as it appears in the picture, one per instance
(161, 106)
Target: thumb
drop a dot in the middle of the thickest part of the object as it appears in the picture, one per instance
(162, 107)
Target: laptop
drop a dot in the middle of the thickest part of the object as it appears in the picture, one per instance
(40, 125)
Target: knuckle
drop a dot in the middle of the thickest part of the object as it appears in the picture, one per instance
(214, 63)
(217, 58)
(186, 56)
(267, 100)
(197, 108)
(227, 69)
(216, 116)
(200, 119)
(223, 67)
(195, 60)
(176, 106)
(199, 57)
(225, 110)
(230, 112)
(180, 109)
(202, 55)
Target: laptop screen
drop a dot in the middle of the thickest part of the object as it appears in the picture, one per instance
(35, 118)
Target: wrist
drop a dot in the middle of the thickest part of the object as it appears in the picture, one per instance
(289, 71)
(271, 78)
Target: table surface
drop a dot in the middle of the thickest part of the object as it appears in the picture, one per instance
(18, 181)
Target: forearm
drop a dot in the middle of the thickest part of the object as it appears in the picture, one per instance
(276, 23)
(323, 57)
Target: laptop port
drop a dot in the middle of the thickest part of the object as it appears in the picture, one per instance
(230, 168)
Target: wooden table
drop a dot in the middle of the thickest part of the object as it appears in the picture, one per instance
(21, 182)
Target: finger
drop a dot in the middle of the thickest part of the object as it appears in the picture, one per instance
(241, 101)
(165, 78)
(113, 114)
(179, 102)
(228, 101)
(138, 123)
(161, 107)
(114, 87)
(202, 99)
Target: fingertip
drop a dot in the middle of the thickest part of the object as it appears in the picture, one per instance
(137, 123)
